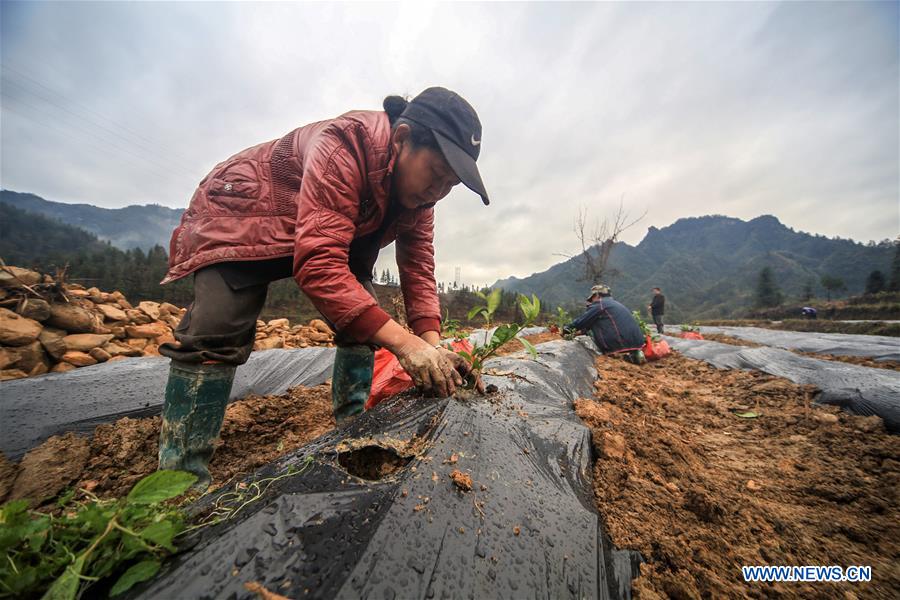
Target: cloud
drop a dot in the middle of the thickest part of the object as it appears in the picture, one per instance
(681, 109)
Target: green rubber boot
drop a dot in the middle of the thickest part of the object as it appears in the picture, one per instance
(351, 381)
(196, 397)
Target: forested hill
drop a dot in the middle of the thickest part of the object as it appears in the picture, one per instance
(130, 227)
(708, 266)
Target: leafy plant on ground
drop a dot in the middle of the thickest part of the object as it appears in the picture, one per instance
(451, 327)
(562, 318)
(486, 310)
(690, 328)
(530, 308)
(90, 541)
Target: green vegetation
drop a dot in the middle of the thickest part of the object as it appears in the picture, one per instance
(832, 284)
(875, 282)
(91, 542)
(531, 308)
(768, 293)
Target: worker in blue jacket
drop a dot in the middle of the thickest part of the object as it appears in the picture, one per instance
(611, 325)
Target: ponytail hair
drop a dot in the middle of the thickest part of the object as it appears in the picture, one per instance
(419, 135)
(394, 107)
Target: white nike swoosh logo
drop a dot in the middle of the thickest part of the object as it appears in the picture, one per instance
(474, 141)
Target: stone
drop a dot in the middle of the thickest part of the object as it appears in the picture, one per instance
(827, 418)
(34, 308)
(79, 359)
(77, 293)
(279, 323)
(10, 374)
(83, 342)
(115, 349)
(8, 357)
(13, 277)
(171, 320)
(169, 309)
(269, 343)
(71, 317)
(753, 486)
(151, 349)
(137, 343)
(100, 355)
(118, 332)
(165, 339)
(151, 309)
(318, 336)
(148, 331)
(321, 326)
(124, 304)
(63, 367)
(112, 313)
(52, 340)
(16, 330)
(8, 472)
(32, 355)
(138, 317)
(39, 369)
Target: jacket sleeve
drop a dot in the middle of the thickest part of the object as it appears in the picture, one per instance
(333, 182)
(586, 320)
(415, 260)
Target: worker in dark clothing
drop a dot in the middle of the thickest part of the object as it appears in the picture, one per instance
(611, 325)
(658, 309)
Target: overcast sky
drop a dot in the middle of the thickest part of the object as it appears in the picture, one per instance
(681, 109)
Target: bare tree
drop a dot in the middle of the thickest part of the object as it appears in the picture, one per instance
(598, 241)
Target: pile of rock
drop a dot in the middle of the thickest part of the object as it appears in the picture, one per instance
(278, 333)
(46, 326)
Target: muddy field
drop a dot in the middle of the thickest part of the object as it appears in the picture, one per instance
(256, 430)
(853, 360)
(700, 491)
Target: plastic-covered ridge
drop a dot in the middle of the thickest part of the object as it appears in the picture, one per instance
(401, 527)
(33, 409)
(860, 390)
(877, 347)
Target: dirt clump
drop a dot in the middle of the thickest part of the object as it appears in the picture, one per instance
(256, 430)
(701, 491)
(462, 480)
(538, 338)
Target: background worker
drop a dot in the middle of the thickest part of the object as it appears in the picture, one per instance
(611, 325)
(317, 205)
(658, 309)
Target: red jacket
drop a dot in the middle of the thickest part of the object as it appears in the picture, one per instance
(308, 195)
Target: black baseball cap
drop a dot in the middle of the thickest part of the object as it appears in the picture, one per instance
(456, 128)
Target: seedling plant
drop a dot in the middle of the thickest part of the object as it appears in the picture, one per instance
(530, 308)
(91, 541)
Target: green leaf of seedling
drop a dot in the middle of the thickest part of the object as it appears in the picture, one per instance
(137, 573)
(161, 534)
(475, 310)
(160, 486)
(66, 585)
(529, 346)
(747, 415)
(493, 301)
(481, 295)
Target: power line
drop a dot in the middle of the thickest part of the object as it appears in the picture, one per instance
(89, 110)
(113, 140)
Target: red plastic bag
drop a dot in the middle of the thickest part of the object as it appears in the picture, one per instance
(656, 350)
(691, 335)
(389, 378)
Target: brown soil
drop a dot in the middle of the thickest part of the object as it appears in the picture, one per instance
(700, 491)
(256, 430)
(853, 360)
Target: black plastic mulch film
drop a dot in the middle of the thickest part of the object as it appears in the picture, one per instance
(370, 510)
(860, 390)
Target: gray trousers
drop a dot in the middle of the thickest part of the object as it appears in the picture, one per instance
(220, 324)
(658, 320)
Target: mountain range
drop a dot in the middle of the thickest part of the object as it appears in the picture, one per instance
(708, 266)
(126, 228)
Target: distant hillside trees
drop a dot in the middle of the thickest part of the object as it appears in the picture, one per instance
(895, 269)
(875, 282)
(832, 284)
(768, 294)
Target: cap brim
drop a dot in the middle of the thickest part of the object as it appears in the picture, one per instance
(463, 165)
